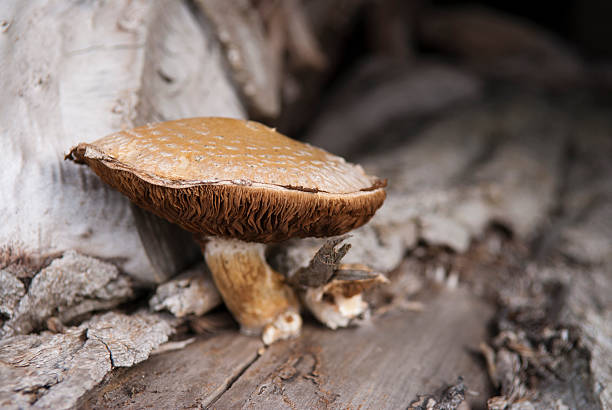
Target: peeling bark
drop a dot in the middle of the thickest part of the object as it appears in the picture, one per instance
(53, 370)
(450, 398)
(68, 288)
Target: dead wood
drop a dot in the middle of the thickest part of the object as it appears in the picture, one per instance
(11, 292)
(322, 266)
(379, 91)
(201, 371)
(53, 370)
(585, 231)
(390, 26)
(70, 287)
(466, 173)
(549, 336)
(58, 59)
(190, 293)
(330, 22)
(254, 66)
(542, 350)
(318, 369)
(450, 398)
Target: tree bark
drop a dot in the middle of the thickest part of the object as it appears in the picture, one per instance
(76, 72)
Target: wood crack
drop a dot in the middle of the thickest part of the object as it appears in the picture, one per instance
(99, 339)
(233, 380)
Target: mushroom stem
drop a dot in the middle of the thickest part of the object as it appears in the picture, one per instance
(256, 294)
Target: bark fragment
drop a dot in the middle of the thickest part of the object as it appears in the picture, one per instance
(340, 302)
(130, 338)
(68, 288)
(11, 291)
(191, 293)
(450, 398)
(53, 370)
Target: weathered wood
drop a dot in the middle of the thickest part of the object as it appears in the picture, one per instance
(388, 364)
(31, 364)
(331, 23)
(303, 48)
(502, 159)
(389, 31)
(53, 370)
(78, 72)
(253, 64)
(192, 377)
(71, 286)
(554, 334)
(589, 308)
(382, 365)
(521, 176)
(583, 233)
(459, 164)
(11, 292)
(193, 292)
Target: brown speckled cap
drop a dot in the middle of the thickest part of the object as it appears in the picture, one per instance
(234, 178)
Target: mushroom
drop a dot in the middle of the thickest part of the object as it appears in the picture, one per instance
(237, 185)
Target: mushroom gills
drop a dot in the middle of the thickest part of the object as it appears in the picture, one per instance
(256, 294)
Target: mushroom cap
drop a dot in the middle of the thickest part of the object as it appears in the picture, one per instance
(234, 178)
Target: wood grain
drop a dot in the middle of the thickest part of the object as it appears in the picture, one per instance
(186, 378)
(381, 366)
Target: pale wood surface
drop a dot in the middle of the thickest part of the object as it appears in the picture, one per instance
(384, 364)
(191, 377)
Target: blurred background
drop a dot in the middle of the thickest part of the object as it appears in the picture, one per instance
(333, 47)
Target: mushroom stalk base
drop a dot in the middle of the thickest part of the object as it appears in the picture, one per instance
(256, 294)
